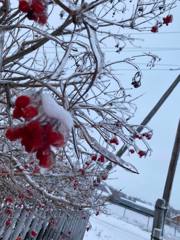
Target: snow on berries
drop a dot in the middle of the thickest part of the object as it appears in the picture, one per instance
(35, 132)
(36, 10)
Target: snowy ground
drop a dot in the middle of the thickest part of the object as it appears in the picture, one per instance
(109, 228)
(118, 227)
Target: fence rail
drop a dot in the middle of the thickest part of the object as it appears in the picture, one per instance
(37, 225)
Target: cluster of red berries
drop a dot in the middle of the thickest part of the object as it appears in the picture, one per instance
(147, 135)
(101, 158)
(166, 20)
(24, 108)
(35, 9)
(34, 136)
(141, 153)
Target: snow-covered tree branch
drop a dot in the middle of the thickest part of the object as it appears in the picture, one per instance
(63, 110)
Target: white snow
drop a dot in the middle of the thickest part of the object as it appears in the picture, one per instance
(109, 228)
(54, 110)
(123, 224)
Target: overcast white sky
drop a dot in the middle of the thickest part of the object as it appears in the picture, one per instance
(150, 182)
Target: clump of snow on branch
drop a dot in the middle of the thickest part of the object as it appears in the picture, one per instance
(53, 110)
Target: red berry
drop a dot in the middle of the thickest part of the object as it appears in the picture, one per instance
(21, 196)
(141, 153)
(94, 157)
(104, 177)
(22, 101)
(36, 170)
(42, 19)
(32, 137)
(8, 222)
(131, 150)
(87, 163)
(13, 133)
(101, 158)
(168, 19)
(33, 233)
(29, 112)
(52, 138)
(56, 139)
(24, 6)
(45, 158)
(148, 135)
(17, 113)
(31, 16)
(37, 6)
(136, 84)
(82, 171)
(114, 140)
(8, 211)
(51, 221)
(137, 136)
(154, 29)
(18, 238)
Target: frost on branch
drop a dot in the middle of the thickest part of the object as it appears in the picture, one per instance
(64, 110)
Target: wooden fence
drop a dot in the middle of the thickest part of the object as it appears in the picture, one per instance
(37, 225)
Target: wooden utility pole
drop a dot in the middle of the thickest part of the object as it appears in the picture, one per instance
(162, 204)
(172, 167)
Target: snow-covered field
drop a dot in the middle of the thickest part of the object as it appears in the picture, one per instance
(116, 226)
